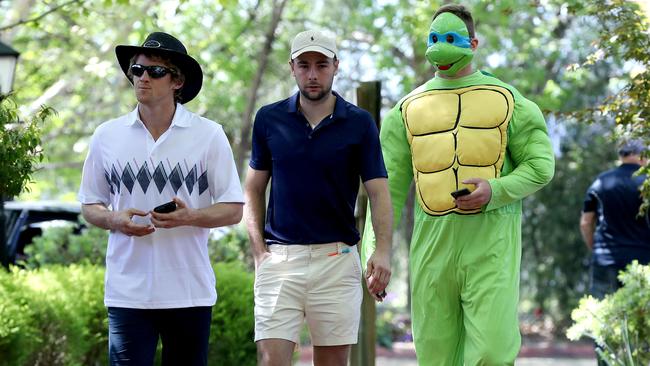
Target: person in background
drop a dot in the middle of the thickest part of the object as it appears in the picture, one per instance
(612, 227)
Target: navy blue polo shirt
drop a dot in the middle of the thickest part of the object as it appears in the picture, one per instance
(314, 173)
(621, 236)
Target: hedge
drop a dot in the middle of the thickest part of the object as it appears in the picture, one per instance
(55, 315)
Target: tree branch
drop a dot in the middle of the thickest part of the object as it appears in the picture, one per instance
(39, 17)
(247, 117)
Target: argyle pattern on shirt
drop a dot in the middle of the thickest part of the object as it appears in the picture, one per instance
(127, 176)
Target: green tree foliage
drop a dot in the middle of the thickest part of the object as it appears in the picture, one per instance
(623, 33)
(20, 151)
(620, 323)
(555, 261)
(20, 148)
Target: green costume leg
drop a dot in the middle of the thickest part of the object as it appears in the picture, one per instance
(465, 273)
(436, 312)
(490, 267)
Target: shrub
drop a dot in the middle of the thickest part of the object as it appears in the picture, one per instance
(52, 316)
(393, 325)
(232, 328)
(60, 245)
(231, 247)
(620, 323)
(55, 315)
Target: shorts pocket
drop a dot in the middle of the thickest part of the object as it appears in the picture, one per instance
(264, 264)
(356, 262)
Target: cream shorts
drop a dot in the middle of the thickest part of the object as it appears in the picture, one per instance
(319, 283)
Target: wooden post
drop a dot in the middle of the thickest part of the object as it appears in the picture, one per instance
(363, 353)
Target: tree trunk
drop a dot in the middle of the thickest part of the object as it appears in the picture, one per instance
(363, 353)
(244, 143)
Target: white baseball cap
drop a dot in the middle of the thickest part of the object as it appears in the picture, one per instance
(313, 41)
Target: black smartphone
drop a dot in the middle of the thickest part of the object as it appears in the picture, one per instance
(166, 207)
(460, 192)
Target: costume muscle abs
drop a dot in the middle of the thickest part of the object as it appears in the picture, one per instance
(454, 137)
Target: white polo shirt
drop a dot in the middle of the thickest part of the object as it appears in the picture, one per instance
(125, 168)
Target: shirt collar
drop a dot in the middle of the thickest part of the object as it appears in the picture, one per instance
(181, 117)
(340, 110)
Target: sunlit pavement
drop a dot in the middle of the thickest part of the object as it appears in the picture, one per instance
(533, 354)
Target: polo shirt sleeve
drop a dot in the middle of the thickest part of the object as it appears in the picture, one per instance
(223, 179)
(95, 186)
(260, 152)
(372, 161)
(591, 200)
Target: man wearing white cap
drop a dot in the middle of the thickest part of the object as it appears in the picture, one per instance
(313, 147)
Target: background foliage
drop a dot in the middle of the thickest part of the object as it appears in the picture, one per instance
(20, 149)
(620, 323)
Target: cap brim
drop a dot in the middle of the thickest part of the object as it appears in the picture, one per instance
(190, 67)
(319, 49)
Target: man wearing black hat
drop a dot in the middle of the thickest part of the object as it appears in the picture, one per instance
(159, 280)
(610, 222)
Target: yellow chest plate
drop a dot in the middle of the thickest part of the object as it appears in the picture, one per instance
(456, 135)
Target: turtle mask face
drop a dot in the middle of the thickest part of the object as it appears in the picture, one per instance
(449, 48)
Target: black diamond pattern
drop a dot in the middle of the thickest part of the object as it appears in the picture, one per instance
(128, 178)
(190, 179)
(108, 180)
(176, 178)
(203, 182)
(144, 177)
(115, 178)
(160, 177)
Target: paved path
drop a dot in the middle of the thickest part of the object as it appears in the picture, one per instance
(532, 354)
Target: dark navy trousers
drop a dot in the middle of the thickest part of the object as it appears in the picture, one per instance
(133, 336)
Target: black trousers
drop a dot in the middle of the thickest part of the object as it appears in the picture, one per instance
(133, 336)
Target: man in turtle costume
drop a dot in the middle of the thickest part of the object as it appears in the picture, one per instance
(464, 129)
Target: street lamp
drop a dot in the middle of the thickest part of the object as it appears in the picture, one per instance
(8, 60)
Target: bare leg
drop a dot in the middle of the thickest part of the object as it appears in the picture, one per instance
(331, 355)
(274, 352)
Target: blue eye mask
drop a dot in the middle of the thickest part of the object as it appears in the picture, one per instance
(451, 38)
(449, 46)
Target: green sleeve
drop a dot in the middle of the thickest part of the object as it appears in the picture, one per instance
(397, 157)
(531, 154)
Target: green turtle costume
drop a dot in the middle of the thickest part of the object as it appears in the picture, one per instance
(464, 264)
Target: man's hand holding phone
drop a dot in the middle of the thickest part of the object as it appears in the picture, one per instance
(170, 214)
(475, 199)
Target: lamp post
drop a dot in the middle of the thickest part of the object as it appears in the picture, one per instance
(8, 60)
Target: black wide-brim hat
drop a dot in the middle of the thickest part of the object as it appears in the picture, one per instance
(160, 43)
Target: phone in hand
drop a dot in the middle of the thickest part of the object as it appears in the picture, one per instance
(460, 192)
(165, 207)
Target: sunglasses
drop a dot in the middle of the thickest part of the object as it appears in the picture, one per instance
(154, 72)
